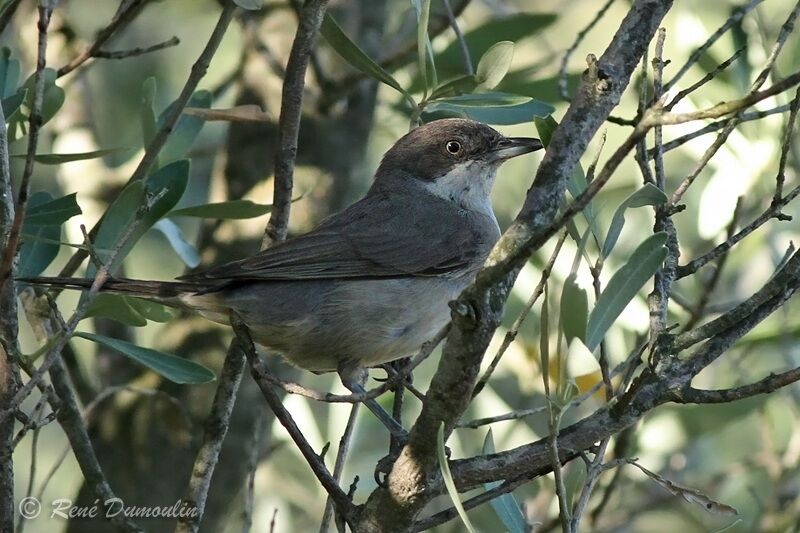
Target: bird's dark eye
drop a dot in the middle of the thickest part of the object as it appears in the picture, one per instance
(453, 147)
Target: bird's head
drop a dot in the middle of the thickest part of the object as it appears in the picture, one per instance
(453, 158)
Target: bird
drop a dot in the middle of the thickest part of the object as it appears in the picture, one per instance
(372, 283)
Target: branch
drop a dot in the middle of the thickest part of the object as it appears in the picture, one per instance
(10, 250)
(69, 416)
(216, 427)
(340, 500)
(126, 12)
(767, 385)
(289, 122)
(133, 52)
(478, 310)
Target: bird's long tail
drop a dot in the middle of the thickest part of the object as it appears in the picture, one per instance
(167, 292)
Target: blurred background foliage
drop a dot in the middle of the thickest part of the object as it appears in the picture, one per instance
(746, 454)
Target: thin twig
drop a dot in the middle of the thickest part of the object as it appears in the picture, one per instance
(714, 126)
(514, 331)
(774, 211)
(259, 428)
(698, 311)
(338, 467)
(780, 178)
(69, 416)
(126, 12)
(8, 11)
(735, 17)
(310, 19)
(342, 502)
(562, 71)
(138, 51)
(462, 43)
(35, 120)
(216, 427)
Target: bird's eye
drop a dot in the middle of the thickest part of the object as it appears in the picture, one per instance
(453, 147)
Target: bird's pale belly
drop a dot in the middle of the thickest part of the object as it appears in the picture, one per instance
(348, 323)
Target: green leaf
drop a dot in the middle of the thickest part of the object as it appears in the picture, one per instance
(491, 108)
(649, 194)
(52, 101)
(174, 368)
(234, 209)
(9, 74)
(448, 478)
(186, 129)
(127, 309)
(574, 310)
(116, 308)
(251, 5)
(490, 99)
(514, 28)
(53, 212)
(460, 85)
(577, 182)
(169, 181)
(623, 287)
(37, 253)
(150, 310)
(504, 505)
(58, 159)
(424, 48)
(12, 103)
(178, 242)
(351, 53)
(147, 113)
(494, 64)
(53, 94)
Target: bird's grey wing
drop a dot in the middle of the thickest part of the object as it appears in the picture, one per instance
(374, 238)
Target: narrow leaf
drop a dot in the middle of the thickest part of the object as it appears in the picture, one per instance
(150, 310)
(53, 212)
(647, 195)
(504, 505)
(116, 308)
(186, 129)
(623, 287)
(178, 242)
(174, 368)
(9, 75)
(574, 310)
(346, 48)
(38, 252)
(448, 479)
(500, 115)
(460, 85)
(234, 209)
(169, 182)
(12, 103)
(494, 64)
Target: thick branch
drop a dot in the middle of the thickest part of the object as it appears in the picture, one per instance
(478, 311)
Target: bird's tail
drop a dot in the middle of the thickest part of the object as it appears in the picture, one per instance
(167, 292)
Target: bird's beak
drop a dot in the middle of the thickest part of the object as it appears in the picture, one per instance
(509, 147)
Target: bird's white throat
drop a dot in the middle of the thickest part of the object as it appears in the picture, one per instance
(468, 184)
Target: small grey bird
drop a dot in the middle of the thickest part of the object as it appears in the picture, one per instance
(371, 283)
